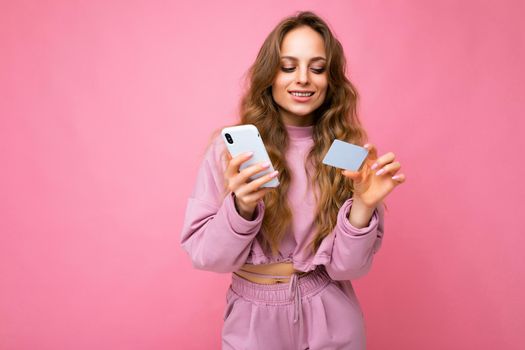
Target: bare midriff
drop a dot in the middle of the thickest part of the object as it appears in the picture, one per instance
(275, 269)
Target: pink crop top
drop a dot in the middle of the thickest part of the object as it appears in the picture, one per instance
(217, 238)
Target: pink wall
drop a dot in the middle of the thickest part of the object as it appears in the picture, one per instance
(105, 108)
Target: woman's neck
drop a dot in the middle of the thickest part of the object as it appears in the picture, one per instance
(299, 132)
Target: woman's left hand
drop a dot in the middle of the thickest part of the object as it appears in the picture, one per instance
(369, 188)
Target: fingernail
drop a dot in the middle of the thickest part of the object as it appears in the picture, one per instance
(249, 154)
(265, 164)
(380, 172)
(395, 177)
(374, 166)
(274, 174)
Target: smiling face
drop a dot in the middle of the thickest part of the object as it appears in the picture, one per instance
(300, 85)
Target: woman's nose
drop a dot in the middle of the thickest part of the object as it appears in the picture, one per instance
(302, 77)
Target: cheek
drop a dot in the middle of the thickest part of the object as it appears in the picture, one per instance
(323, 87)
(282, 81)
(322, 83)
(280, 85)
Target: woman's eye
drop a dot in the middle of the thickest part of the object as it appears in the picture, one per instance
(291, 69)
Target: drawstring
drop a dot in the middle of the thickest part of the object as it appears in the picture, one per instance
(295, 294)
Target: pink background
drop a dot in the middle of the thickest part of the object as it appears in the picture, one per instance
(105, 110)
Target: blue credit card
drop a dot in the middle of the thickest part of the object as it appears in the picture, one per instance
(345, 155)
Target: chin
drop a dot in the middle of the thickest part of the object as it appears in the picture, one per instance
(301, 112)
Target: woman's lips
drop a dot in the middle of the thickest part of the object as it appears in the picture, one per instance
(301, 98)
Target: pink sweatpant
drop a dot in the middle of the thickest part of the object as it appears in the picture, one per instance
(310, 312)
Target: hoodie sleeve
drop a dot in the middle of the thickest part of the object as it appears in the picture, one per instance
(215, 236)
(352, 249)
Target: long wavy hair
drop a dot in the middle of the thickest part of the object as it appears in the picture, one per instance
(336, 118)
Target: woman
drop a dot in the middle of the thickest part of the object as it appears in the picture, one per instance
(292, 250)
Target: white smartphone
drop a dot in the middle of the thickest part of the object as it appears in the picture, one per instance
(245, 138)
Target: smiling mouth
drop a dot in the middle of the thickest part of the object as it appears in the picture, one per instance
(301, 94)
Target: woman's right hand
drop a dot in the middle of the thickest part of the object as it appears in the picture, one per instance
(247, 194)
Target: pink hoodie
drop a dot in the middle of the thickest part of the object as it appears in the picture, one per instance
(219, 239)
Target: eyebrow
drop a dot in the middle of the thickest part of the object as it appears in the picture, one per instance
(317, 58)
